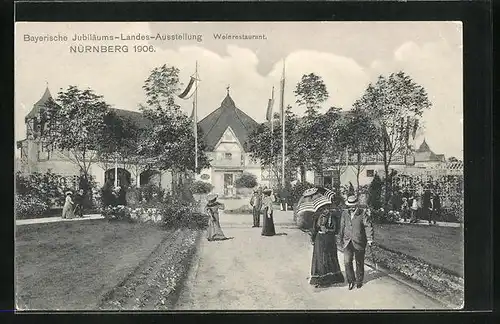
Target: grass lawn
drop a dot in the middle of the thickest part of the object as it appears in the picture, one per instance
(71, 265)
(437, 245)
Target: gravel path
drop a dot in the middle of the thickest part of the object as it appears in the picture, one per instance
(252, 272)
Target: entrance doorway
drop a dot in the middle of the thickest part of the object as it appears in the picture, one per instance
(327, 182)
(228, 184)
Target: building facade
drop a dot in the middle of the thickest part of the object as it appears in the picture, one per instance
(225, 133)
(35, 158)
(344, 170)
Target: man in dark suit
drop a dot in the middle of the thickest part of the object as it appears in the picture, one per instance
(356, 232)
(427, 205)
(256, 203)
(435, 207)
(79, 203)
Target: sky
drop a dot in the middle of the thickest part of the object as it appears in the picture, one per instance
(347, 55)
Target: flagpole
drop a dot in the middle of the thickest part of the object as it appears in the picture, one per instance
(116, 172)
(282, 109)
(195, 109)
(272, 134)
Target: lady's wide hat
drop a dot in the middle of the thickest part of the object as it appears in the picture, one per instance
(212, 197)
(352, 201)
(267, 191)
(68, 193)
(310, 192)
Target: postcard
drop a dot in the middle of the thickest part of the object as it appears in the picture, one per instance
(215, 166)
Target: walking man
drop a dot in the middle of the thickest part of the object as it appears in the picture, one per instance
(79, 203)
(427, 205)
(405, 209)
(356, 232)
(436, 206)
(256, 203)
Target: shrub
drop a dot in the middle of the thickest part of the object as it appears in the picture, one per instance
(50, 187)
(182, 214)
(201, 187)
(29, 206)
(150, 192)
(47, 187)
(246, 180)
(375, 193)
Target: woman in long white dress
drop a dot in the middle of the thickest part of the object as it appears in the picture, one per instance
(68, 209)
(212, 209)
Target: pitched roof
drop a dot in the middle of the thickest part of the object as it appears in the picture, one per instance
(425, 154)
(227, 115)
(40, 104)
(424, 147)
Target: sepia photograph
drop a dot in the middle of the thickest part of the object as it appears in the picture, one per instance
(239, 166)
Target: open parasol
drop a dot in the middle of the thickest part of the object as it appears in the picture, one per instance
(313, 199)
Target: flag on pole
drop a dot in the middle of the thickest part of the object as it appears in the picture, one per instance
(270, 104)
(282, 119)
(282, 96)
(190, 89)
(192, 113)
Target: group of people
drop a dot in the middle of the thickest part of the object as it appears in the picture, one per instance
(429, 203)
(261, 202)
(352, 230)
(351, 225)
(73, 205)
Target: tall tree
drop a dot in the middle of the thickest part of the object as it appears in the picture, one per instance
(335, 146)
(389, 103)
(312, 129)
(261, 139)
(360, 139)
(168, 140)
(119, 140)
(311, 91)
(75, 125)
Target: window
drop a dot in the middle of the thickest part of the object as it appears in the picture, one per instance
(370, 173)
(228, 156)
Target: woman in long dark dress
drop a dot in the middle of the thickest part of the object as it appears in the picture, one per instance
(325, 267)
(267, 208)
(212, 209)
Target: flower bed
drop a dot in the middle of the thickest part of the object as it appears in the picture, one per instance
(146, 215)
(439, 282)
(166, 216)
(116, 213)
(156, 284)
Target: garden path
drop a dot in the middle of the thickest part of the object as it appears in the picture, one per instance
(251, 272)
